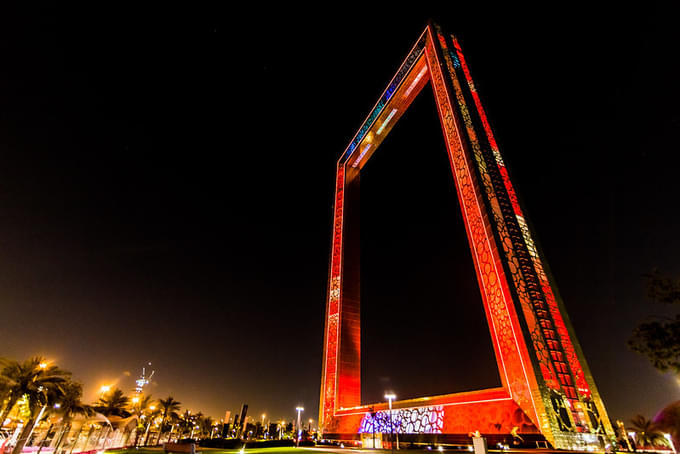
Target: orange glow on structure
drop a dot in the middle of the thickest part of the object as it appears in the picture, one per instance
(547, 391)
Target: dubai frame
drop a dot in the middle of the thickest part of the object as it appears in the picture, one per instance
(547, 391)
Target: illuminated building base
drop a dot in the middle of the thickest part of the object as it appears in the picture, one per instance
(547, 391)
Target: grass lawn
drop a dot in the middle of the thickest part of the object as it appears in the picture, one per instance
(159, 450)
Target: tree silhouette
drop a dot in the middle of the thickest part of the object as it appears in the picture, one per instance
(40, 383)
(70, 406)
(169, 409)
(113, 403)
(659, 340)
(647, 434)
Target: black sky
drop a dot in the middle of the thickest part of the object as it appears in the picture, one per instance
(166, 188)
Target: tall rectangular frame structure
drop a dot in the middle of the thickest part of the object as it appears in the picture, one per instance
(546, 386)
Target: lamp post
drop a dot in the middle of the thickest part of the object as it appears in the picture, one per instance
(390, 397)
(42, 410)
(631, 435)
(670, 442)
(299, 429)
(264, 415)
(148, 425)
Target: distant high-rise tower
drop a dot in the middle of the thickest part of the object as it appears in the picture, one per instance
(143, 380)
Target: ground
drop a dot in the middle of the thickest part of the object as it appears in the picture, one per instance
(315, 450)
(284, 450)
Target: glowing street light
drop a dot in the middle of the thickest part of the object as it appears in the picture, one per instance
(43, 365)
(299, 410)
(135, 400)
(104, 390)
(390, 397)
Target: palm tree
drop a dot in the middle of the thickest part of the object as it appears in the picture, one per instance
(114, 403)
(185, 423)
(32, 376)
(198, 420)
(206, 426)
(40, 383)
(169, 408)
(144, 408)
(142, 405)
(646, 433)
(153, 414)
(70, 406)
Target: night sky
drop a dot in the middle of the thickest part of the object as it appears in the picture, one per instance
(166, 188)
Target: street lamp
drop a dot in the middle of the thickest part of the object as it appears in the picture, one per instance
(390, 397)
(299, 410)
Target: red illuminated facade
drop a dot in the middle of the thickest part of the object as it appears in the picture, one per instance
(546, 387)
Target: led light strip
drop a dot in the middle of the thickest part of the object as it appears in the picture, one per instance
(415, 81)
(363, 152)
(411, 59)
(387, 120)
